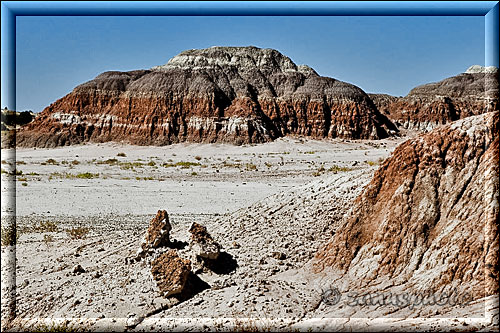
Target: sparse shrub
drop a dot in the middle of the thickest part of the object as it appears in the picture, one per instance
(48, 239)
(87, 175)
(75, 162)
(121, 155)
(185, 165)
(336, 168)
(309, 152)
(22, 179)
(20, 162)
(267, 164)
(4, 171)
(130, 165)
(33, 174)
(371, 163)
(152, 163)
(24, 184)
(45, 226)
(52, 161)
(16, 172)
(109, 161)
(251, 167)
(10, 235)
(194, 173)
(77, 232)
(198, 158)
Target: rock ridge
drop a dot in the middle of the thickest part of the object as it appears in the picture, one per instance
(221, 94)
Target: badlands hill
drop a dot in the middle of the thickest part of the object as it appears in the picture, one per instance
(220, 94)
(428, 220)
(427, 106)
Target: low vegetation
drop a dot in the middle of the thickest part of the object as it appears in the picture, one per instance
(67, 175)
(182, 164)
(335, 168)
(121, 155)
(77, 232)
(45, 226)
(10, 235)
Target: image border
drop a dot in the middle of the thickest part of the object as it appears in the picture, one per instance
(10, 10)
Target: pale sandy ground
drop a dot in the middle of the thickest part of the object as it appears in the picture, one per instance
(254, 200)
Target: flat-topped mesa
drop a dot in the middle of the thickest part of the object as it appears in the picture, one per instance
(427, 106)
(220, 94)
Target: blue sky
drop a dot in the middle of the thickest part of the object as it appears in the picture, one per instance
(379, 54)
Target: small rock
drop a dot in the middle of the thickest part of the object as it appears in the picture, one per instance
(78, 269)
(203, 245)
(279, 255)
(133, 320)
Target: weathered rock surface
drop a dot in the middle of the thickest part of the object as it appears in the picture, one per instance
(219, 94)
(429, 217)
(202, 244)
(427, 106)
(170, 273)
(158, 233)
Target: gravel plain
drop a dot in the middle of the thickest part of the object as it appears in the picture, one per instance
(270, 206)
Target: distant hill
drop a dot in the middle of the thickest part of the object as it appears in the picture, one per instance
(427, 106)
(220, 94)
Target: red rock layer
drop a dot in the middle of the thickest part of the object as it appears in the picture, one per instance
(429, 216)
(434, 104)
(237, 95)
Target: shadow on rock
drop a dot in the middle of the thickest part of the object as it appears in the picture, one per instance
(194, 285)
(224, 264)
(178, 245)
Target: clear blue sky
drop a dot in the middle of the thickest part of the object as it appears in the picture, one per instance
(379, 54)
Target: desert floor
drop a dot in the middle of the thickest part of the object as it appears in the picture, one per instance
(91, 205)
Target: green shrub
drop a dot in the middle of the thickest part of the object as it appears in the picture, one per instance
(87, 175)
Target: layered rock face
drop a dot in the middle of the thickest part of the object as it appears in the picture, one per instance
(425, 107)
(429, 217)
(220, 94)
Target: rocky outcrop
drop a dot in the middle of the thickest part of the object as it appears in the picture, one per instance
(425, 107)
(429, 217)
(158, 233)
(170, 272)
(220, 94)
(202, 244)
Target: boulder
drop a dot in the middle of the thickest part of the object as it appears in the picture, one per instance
(170, 272)
(158, 233)
(202, 244)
